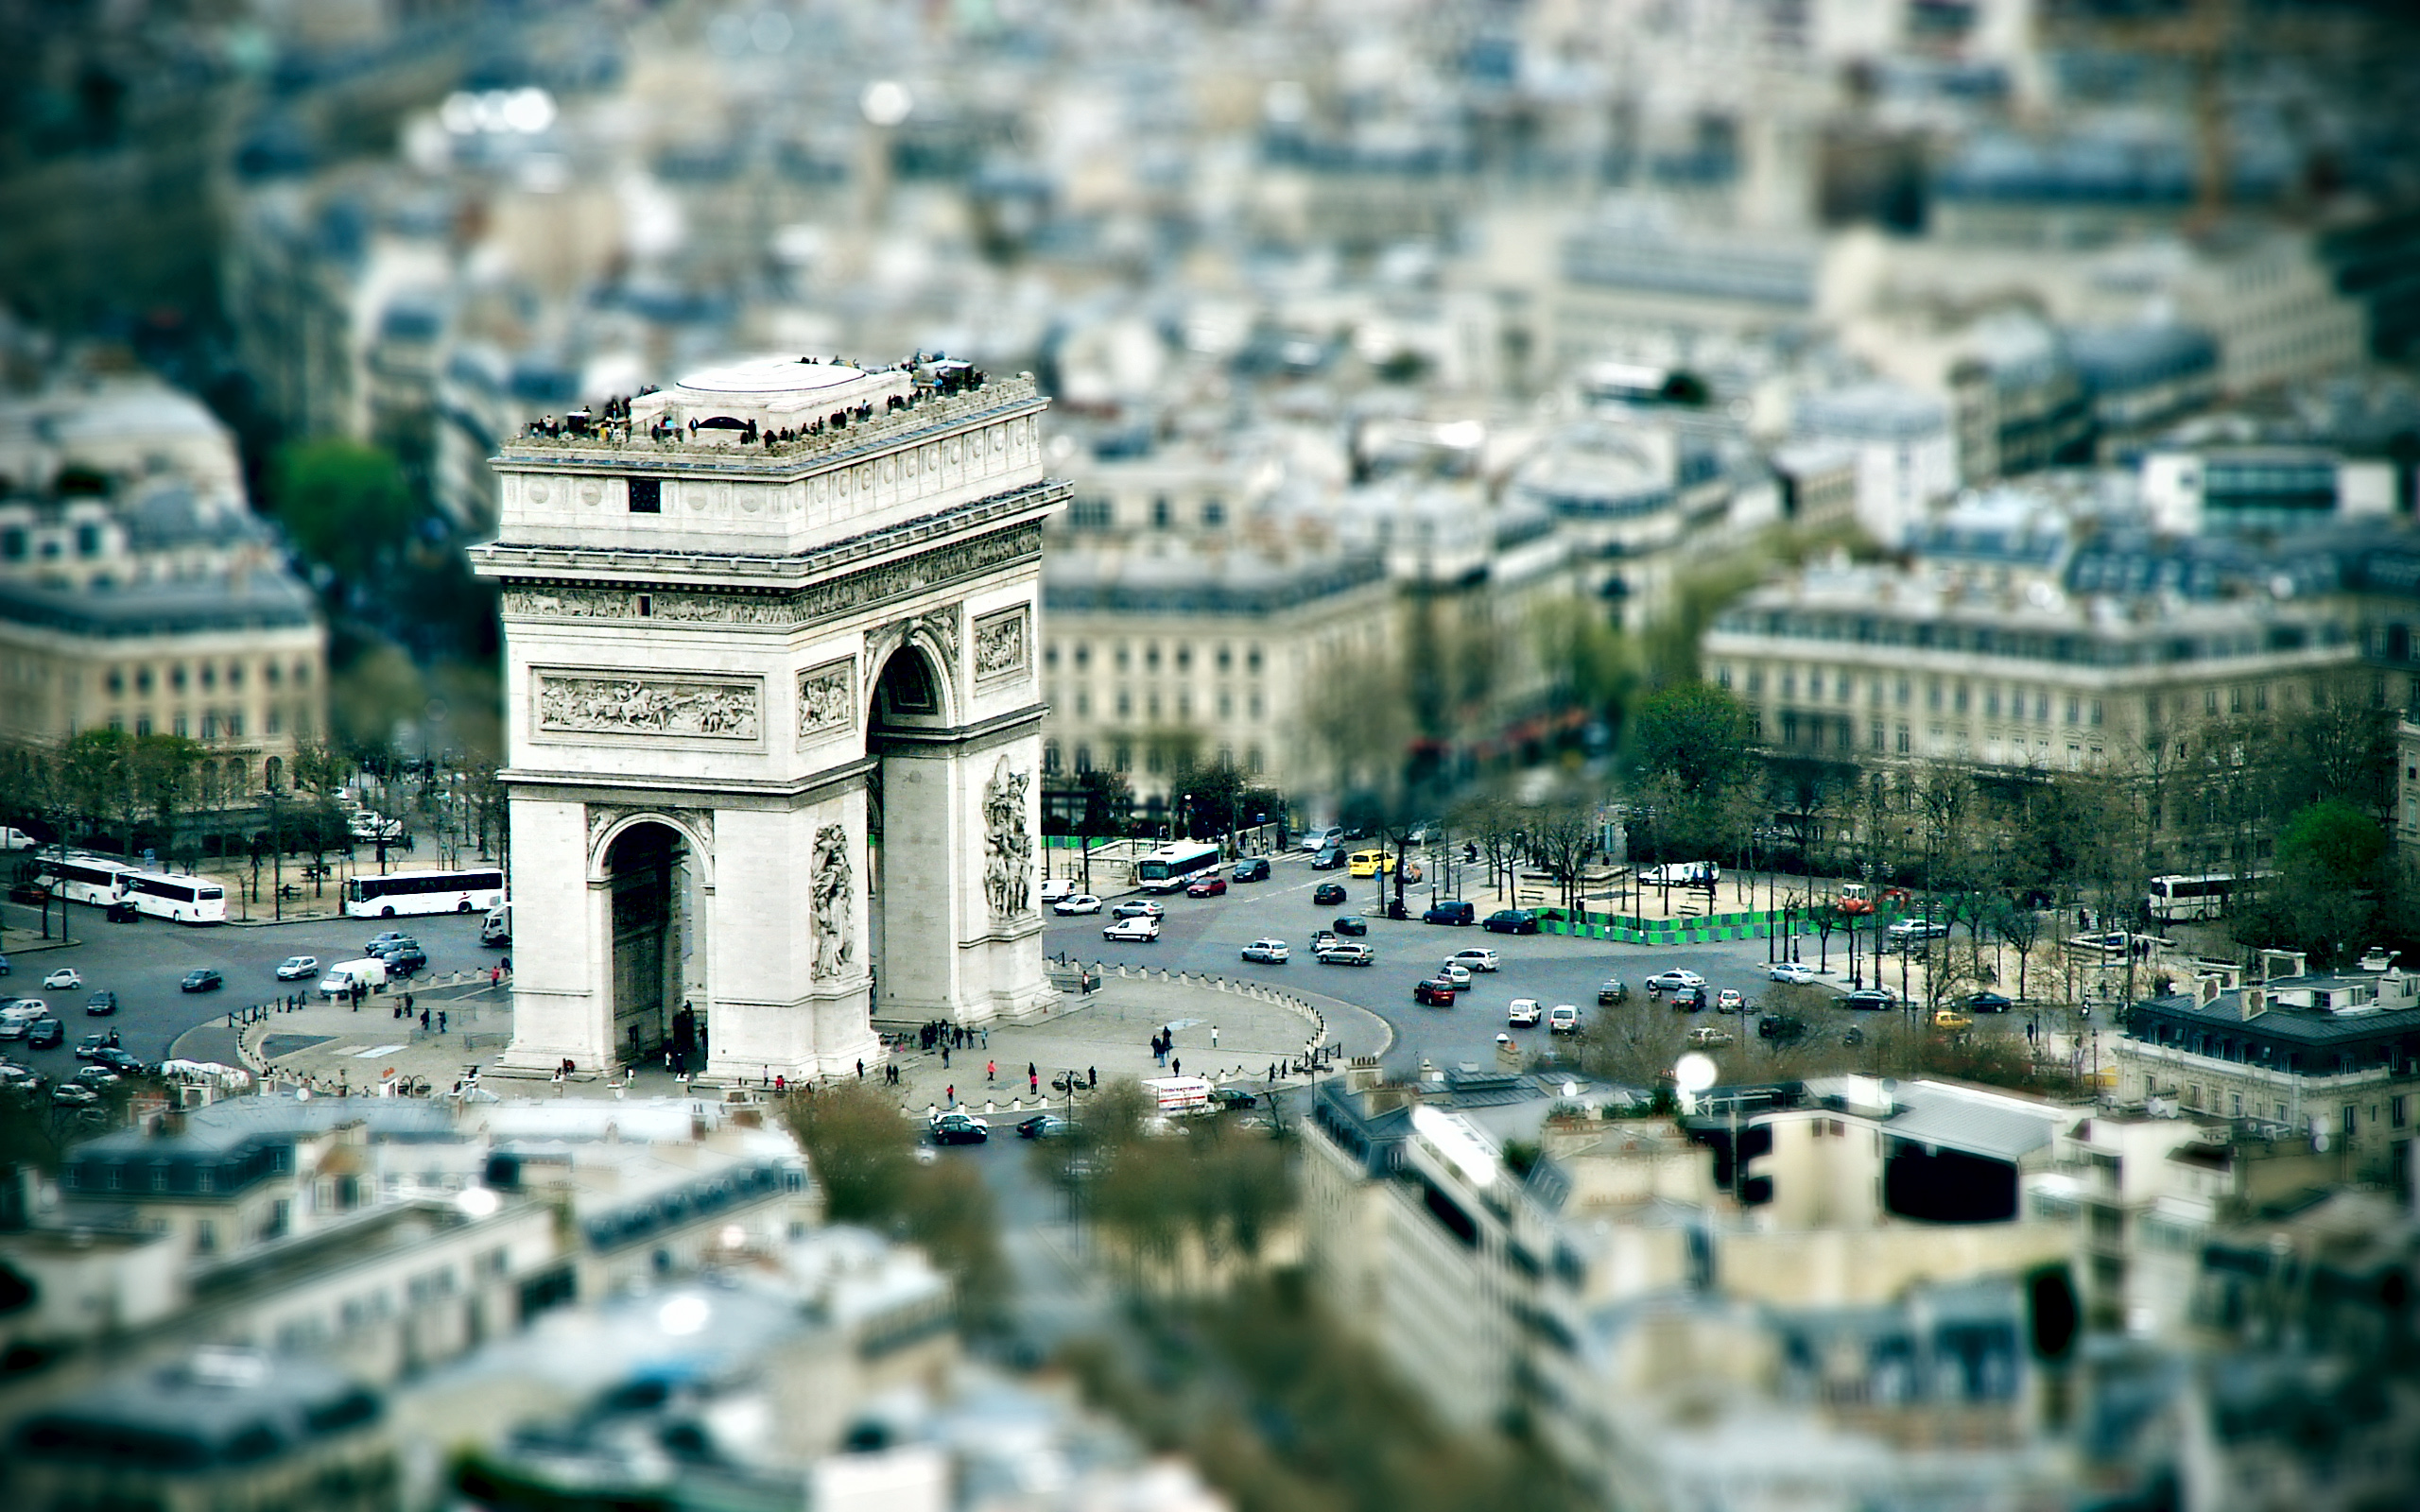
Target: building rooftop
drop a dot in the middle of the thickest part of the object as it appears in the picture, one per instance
(2316, 1009)
(1077, 579)
(223, 1409)
(250, 601)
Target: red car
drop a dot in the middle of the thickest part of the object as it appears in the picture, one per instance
(1433, 993)
(1208, 888)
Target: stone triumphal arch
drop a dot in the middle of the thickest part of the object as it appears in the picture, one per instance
(773, 717)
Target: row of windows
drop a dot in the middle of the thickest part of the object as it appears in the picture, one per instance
(1092, 512)
(1813, 731)
(215, 724)
(17, 543)
(1152, 706)
(178, 676)
(2029, 645)
(1123, 655)
(1815, 684)
(1121, 757)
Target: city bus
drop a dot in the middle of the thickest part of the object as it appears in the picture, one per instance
(165, 895)
(423, 892)
(1171, 868)
(85, 880)
(2206, 896)
(496, 929)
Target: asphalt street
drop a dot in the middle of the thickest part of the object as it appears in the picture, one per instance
(143, 963)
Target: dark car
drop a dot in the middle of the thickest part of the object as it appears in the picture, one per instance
(204, 980)
(1785, 1028)
(1433, 992)
(1233, 1097)
(46, 1034)
(1352, 924)
(1207, 888)
(1688, 999)
(1612, 990)
(1988, 1002)
(959, 1129)
(1046, 1127)
(1252, 868)
(1513, 921)
(102, 1005)
(403, 961)
(1872, 999)
(1329, 859)
(122, 912)
(90, 1043)
(1327, 894)
(380, 942)
(1452, 911)
(121, 1061)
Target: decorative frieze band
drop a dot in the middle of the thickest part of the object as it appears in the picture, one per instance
(701, 707)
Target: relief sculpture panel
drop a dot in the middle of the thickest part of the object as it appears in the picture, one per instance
(592, 705)
(1000, 646)
(827, 700)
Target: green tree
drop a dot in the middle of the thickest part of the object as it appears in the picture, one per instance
(1694, 735)
(344, 504)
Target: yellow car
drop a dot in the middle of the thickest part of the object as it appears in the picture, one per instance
(1369, 863)
(1951, 1019)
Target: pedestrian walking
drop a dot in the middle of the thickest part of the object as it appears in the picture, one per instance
(423, 1018)
(944, 1057)
(991, 1072)
(1214, 1037)
(1092, 1077)
(1029, 1071)
(1033, 1082)
(1177, 1066)
(862, 1070)
(440, 1020)
(949, 1094)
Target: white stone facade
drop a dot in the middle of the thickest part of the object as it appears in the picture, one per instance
(716, 799)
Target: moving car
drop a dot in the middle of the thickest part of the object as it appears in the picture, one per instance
(66, 979)
(1450, 911)
(1327, 894)
(1082, 902)
(1563, 1017)
(1951, 1019)
(1347, 953)
(1369, 864)
(101, 1005)
(1477, 958)
(1138, 908)
(1906, 930)
(75, 1094)
(1323, 840)
(296, 968)
(121, 1061)
(1328, 859)
(1430, 992)
(46, 1034)
(1352, 924)
(1233, 1097)
(1252, 868)
(959, 1129)
(1870, 999)
(1058, 890)
(1707, 1034)
(381, 942)
(1206, 887)
(1267, 952)
(202, 980)
(405, 958)
(1673, 980)
(1798, 972)
(1046, 1127)
(90, 1043)
(1988, 1002)
(1456, 972)
(1523, 1013)
(1688, 1000)
(1139, 929)
(1612, 990)
(1785, 1028)
(1510, 921)
(1729, 1001)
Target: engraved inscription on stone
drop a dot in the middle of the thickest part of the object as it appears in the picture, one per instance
(647, 706)
(1000, 646)
(827, 700)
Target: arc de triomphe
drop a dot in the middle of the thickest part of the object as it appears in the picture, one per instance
(774, 722)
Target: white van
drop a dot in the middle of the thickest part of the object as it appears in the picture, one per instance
(1682, 875)
(370, 972)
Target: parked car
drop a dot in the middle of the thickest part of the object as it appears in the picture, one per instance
(1267, 952)
(1523, 1013)
(66, 979)
(1729, 1001)
(19, 1080)
(1045, 1126)
(1688, 1000)
(101, 1005)
(298, 968)
(1988, 1002)
(1206, 887)
(1451, 911)
(1915, 929)
(1477, 958)
(1430, 992)
(1252, 868)
(1327, 894)
(1139, 929)
(1510, 921)
(1082, 902)
(1668, 981)
(1798, 972)
(95, 1076)
(46, 1034)
(1228, 1099)
(1870, 999)
(1785, 1028)
(1709, 1035)
(1058, 890)
(1352, 924)
(1328, 859)
(1347, 953)
(1138, 908)
(959, 1129)
(1330, 837)
(1563, 1017)
(90, 1043)
(75, 1094)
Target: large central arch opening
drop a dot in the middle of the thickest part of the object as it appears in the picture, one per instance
(658, 985)
(907, 865)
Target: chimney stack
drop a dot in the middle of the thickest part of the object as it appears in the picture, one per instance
(2256, 1001)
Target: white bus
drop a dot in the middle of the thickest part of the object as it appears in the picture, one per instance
(163, 895)
(1172, 867)
(86, 879)
(496, 929)
(423, 892)
(2206, 896)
